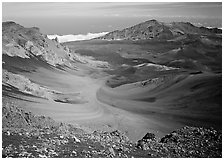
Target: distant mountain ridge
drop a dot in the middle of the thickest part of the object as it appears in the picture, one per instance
(154, 29)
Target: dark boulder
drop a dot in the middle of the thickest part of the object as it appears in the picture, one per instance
(172, 137)
(149, 136)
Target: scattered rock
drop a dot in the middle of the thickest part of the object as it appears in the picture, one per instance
(61, 136)
(140, 144)
(112, 151)
(76, 139)
(45, 138)
(8, 133)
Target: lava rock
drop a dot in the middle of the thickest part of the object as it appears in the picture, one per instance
(149, 136)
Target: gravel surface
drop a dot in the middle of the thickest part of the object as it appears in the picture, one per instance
(27, 135)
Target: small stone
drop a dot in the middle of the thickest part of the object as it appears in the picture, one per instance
(174, 133)
(74, 152)
(76, 139)
(144, 147)
(149, 154)
(112, 151)
(8, 133)
(42, 156)
(61, 136)
(140, 144)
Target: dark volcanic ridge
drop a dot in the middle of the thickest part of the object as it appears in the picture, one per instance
(154, 29)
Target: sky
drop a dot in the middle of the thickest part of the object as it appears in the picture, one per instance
(81, 18)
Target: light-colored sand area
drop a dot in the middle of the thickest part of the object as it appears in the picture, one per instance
(125, 108)
(93, 114)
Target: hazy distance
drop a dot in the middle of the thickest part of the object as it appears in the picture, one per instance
(81, 18)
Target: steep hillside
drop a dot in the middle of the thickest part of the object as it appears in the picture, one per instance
(29, 46)
(153, 29)
(29, 42)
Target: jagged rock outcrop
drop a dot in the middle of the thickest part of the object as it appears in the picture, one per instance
(184, 142)
(33, 49)
(153, 29)
(29, 42)
(26, 42)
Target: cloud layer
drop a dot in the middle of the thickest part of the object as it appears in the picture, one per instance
(79, 37)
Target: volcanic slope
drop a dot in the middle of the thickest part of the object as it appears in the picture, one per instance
(154, 29)
(63, 87)
(107, 85)
(167, 81)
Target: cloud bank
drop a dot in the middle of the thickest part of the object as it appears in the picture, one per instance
(79, 37)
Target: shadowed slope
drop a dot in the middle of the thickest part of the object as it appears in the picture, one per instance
(179, 100)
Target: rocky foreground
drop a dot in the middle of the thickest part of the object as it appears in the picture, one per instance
(27, 135)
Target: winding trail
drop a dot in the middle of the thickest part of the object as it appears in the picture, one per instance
(109, 109)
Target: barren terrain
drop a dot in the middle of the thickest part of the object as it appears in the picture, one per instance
(129, 86)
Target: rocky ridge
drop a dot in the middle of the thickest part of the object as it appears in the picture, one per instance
(30, 42)
(154, 29)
